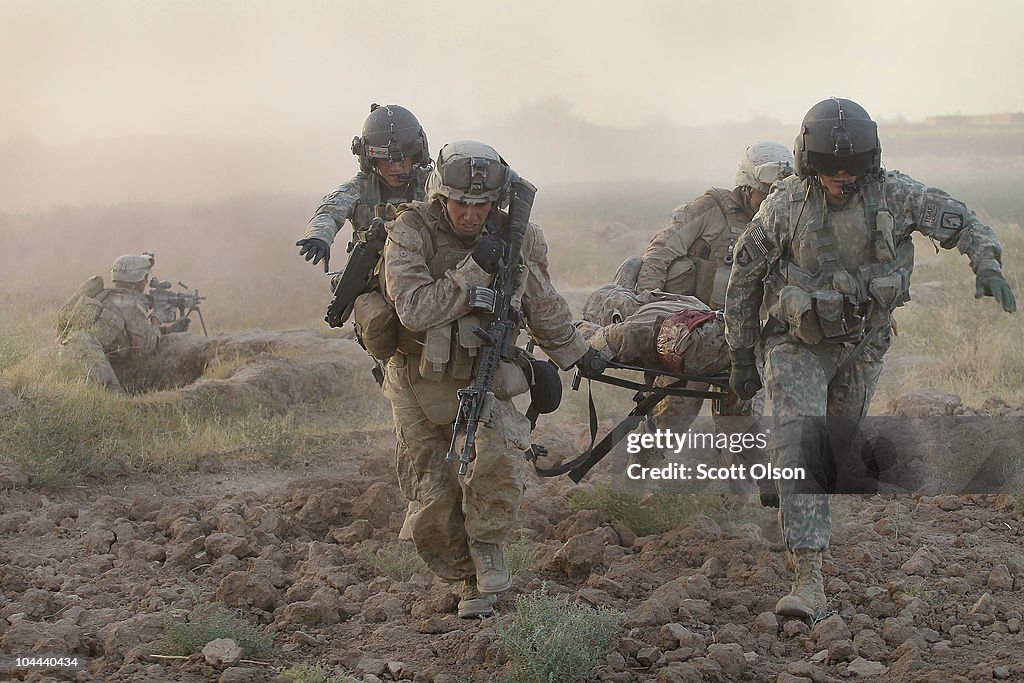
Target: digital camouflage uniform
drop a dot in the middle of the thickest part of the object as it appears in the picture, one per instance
(428, 272)
(827, 276)
(107, 330)
(355, 201)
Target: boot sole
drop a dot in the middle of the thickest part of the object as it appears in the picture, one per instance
(476, 610)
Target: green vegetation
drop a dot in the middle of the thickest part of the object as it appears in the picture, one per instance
(397, 563)
(653, 513)
(317, 673)
(68, 428)
(549, 641)
(189, 633)
(519, 556)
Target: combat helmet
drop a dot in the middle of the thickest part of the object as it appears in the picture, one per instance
(471, 172)
(838, 134)
(392, 133)
(762, 164)
(132, 268)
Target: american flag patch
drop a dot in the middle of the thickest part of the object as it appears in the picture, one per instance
(759, 239)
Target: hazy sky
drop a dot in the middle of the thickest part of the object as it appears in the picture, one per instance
(78, 70)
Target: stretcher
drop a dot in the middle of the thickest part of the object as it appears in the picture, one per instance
(647, 397)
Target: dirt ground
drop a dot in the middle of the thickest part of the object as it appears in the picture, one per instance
(923, 588)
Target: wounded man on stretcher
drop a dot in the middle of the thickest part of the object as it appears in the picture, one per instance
(676, 334)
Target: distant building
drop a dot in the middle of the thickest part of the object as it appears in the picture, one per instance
(1003, 119)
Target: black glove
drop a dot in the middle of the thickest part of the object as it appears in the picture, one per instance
(992, 283)
(744, 379)
(592, 363)
(488, 252)
(315, 249)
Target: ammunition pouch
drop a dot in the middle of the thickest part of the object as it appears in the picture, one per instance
(822, 315)
(796, 308)
(452, 350)
(888, 290)
(376, 325)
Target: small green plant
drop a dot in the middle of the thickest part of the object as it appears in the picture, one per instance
(269, 435)
(189, 633)
(550, 641)
(654, 513)
(899, 521)
(519, 556)
(920, 591)
(398, 564)
(317, 673)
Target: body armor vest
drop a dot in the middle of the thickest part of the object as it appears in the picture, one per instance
(713, 261)
(373, 191)
(449, 350)
(830, 282)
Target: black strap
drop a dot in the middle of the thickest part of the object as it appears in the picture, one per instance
(578, 467)
(648, 396)
(857, 351)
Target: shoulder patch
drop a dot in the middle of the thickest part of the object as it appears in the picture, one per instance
(931, 215)
(952, 220)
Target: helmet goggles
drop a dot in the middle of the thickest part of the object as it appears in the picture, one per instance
(480, 178)
(831, 164)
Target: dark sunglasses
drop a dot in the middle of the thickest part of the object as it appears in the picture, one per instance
(829, 164)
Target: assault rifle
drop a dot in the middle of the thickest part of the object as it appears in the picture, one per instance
(364, 253)
(170, 306)
(477, 400)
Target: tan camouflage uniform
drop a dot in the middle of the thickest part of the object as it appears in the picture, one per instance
(108, 332)
(689, 256)
(427, 275)
(692, 256)
(816, 269)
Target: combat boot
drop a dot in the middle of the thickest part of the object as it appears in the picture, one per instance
(475, 604)
(492, 575)
(807, 597)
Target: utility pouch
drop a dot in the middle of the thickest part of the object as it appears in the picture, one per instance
(509, 380)
(888, 290)
(829, 306)
(376, 325)
(466, 348)
(797, 309)
(845, 283)
(680, 276)
(437, 351)
(885, 247)
(717, 300)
